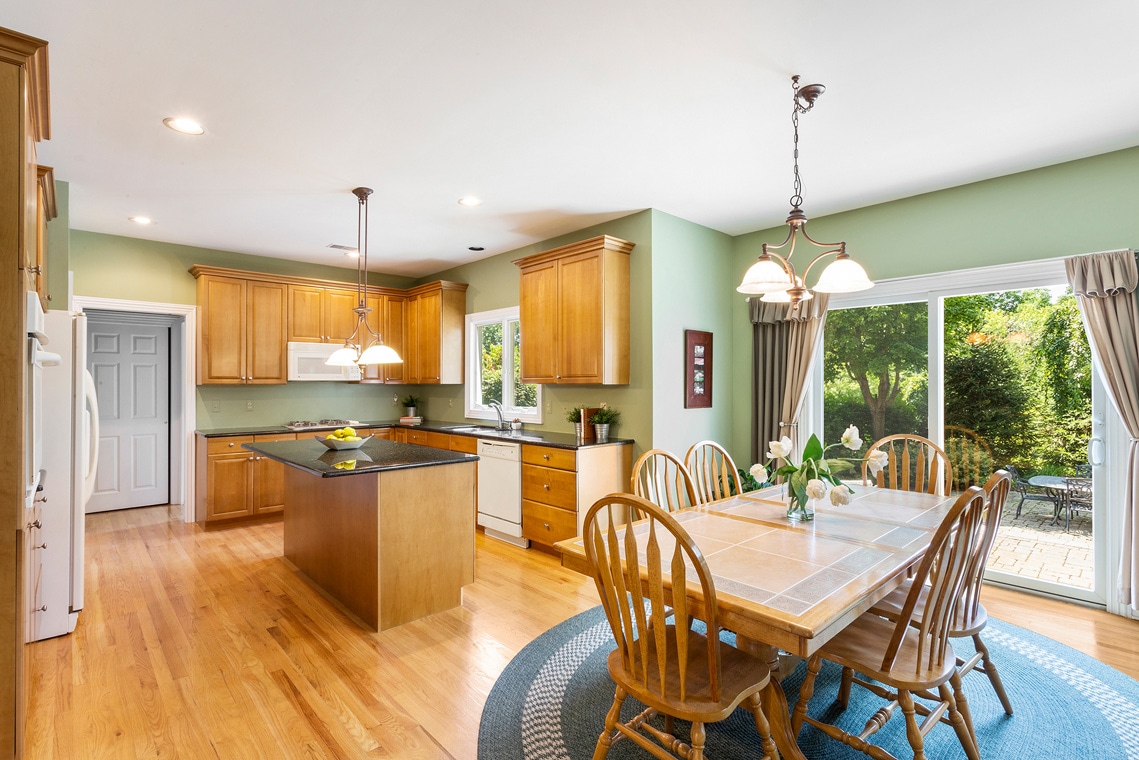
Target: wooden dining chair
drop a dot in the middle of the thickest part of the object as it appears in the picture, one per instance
(969, 615)
(914, 464)
(970, 455)
(910, 655)
(664, 480)
(714, 474)
(673, 670)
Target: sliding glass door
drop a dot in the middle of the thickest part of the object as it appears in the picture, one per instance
(1000, 378)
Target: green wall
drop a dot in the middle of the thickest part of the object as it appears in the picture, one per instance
(494, 285)
(59, 248)
(690, 266)
(1064, 210)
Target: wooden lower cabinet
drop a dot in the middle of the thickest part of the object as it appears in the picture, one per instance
(559, 486)
(235, 483)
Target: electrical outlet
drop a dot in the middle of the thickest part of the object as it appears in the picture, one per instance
(395, 400)
(450, 403)
(249, 406)
(215, 406)
(549, 406)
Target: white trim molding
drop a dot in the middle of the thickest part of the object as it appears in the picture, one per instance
(186, 337)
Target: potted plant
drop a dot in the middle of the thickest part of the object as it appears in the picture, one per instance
(602, 419)
(574, 415)
(411, 403)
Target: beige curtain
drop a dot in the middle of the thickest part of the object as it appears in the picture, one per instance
(785, 344)
(1104, 284)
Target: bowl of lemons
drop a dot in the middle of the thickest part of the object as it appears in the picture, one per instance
(343, 438)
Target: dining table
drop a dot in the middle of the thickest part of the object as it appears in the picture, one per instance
(790, 586)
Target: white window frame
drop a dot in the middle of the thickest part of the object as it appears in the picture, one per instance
(472, 408)
(932, 288)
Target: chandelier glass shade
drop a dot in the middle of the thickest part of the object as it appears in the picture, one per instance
(354, 350)
(773, 276)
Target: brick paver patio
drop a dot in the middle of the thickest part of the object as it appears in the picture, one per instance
(1030, 547)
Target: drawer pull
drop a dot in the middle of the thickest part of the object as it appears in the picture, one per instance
(547, 525)
(546, 486)
(546, 457)
(231, 445)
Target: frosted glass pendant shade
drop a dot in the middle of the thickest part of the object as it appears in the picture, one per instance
(380, 354)
(843, 275)
(783, 296)
(764, 276)
(342, 357)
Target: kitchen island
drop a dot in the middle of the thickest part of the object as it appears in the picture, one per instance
(386, 530)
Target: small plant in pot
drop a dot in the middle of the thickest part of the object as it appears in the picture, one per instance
(574, 415)
(411, 403)
(602, 419)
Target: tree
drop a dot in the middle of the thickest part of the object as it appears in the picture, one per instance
(878, 347)
(984, 392)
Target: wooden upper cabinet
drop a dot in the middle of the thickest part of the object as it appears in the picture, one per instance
(321, 315)
(386, 319)
(241, 334)
(574, 313)
(46, 210)
(433, 333)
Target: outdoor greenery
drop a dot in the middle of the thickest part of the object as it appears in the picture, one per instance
(1017, 374)
(491, 342)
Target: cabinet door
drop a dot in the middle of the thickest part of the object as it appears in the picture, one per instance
(579, 319)
(394, 310)
(374, 373)
(339, 319)
(265, 345)
(411, 373)
(538, 317)
(222, 343)
(229, 483)
(429, 318)
(306, 313)
(269, 478)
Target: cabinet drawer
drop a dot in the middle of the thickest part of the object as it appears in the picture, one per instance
(227, 444)
(465, 443)
(383, 434)
(545, 524)
(549, 486)
(562, 459)
(438, 440)
(418, 437)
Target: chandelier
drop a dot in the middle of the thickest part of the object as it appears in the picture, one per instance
(773, 275)
(354, 350)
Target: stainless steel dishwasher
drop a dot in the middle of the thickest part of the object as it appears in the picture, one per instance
(500, 491)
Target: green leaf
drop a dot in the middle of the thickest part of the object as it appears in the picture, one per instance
(813, 449)
(801, 493)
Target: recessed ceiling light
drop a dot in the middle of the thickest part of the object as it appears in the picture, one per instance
(475, 248)
(141, 220)
(469, 200)
(184, 125)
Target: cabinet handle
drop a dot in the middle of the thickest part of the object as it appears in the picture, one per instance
(36, 524)
(40, 609)
(231, 445)
(547, 525)
(546, 486)
(41, 546)
(250, 459)
(546, 457)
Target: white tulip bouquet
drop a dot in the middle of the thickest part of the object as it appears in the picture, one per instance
(810, 479)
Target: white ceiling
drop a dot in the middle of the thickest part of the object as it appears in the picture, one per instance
(557, 114)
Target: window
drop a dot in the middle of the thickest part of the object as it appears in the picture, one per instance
(494, 369)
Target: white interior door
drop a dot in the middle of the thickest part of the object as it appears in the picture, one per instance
(131, 367)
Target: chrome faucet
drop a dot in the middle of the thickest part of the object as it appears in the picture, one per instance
(498, 409)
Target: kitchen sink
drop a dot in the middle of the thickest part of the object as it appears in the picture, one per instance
(485, 429)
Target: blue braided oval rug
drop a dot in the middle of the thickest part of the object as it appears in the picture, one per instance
(550, 704)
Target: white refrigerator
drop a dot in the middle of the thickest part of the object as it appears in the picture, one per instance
(70, 437)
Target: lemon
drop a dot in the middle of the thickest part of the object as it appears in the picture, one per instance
(349, 465)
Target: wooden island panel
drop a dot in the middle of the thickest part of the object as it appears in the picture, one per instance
(391, 546)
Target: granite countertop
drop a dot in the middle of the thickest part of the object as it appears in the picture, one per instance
(376, 455)
(538, 437)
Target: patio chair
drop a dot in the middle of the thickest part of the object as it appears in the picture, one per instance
(1026, 491)
(1077, 496)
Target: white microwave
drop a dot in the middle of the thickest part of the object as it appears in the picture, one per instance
(307, 363)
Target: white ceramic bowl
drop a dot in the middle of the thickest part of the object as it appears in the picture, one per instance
(339, 445)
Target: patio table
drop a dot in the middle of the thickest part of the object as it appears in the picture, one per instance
(1056, 487)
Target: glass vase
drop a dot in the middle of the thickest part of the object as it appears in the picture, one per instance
(800, 512)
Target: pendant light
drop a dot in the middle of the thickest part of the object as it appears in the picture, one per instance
(354, 351)
(773, 275)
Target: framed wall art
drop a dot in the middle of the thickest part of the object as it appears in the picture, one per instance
(697, 369)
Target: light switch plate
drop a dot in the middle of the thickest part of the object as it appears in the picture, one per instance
(249, 406)
(215, 406)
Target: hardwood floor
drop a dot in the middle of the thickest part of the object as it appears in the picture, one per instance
(202, 644)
